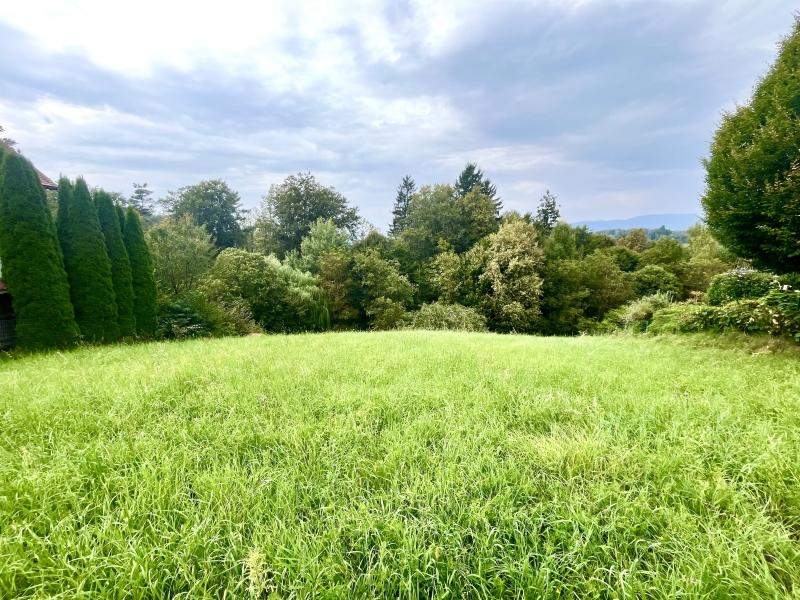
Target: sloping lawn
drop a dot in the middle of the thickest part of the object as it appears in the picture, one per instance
(401, 464)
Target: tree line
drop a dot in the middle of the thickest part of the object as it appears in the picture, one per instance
(83, 273)
(452, 257)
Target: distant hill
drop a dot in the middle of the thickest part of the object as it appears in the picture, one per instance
(673, 221)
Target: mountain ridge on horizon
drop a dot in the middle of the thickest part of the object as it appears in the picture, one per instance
(673, 221)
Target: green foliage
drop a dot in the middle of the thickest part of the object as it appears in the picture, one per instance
(213, 205)
(777, 313)
(181, 252)
(279, 297)
(739, 284)
(707, 258)
(87, 263)
(625, 258)
(635, 239)
(194, 315)
(405, 191)
(32, 265)
(562, 291)
(402, 464)
(121, 276)
(472, 179)
(141, 200)
(665, 252)
(143, 279)
(638, 314)
(653, 279)
(323, 238)
(686, 317)
(293, 206)
(437, 315)
(513, 287)
(605, 285)
(752, 198)
(547, 214)
(383, 292)
(438, 215)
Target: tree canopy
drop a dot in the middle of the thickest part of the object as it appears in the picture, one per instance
(293, 206)
(213, 205)
(752, 197)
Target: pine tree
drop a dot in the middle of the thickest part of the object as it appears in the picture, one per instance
(120, 265)
(547, 214)
(141, 199)
(472, 177)
(144, 283)
(32, 266)
(87, 264)
(401, 203)
(121, 217)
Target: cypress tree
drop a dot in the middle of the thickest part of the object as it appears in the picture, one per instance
(144, 282)
(87, 264)
(121, 217)
(120, 265)
(32, 266)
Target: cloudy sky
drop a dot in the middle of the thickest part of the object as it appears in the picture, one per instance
(610, 104)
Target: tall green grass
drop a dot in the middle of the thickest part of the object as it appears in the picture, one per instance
(402, 464)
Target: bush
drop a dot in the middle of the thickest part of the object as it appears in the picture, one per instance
(279, 297)
(638, 314)
(684, 317)
(445, 316)
(654, 279)
(777, 313)
(194, 315)
(739, 284)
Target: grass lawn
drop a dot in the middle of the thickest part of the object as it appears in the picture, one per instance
(401, 464)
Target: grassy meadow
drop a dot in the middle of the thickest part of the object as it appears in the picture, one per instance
(401, 464)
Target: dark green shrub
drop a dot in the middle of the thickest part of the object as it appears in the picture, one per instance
(445, 316)
(144, 283)
(178, 321)
(87, 264)
(655, 279)
(120, 265)
(33, 268)
(739, 284)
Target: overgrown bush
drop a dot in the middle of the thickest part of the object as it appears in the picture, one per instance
(437, 315)
(279, 297)
(684, 317)
(196, 316)
(655, 279)
(739, 284)
(638, 314)
(777, 313)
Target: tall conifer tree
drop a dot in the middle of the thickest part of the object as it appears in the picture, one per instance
(32, 267)
(401, 203)
(120, 265)
(144, 283)
(472, 177)
(88, 266)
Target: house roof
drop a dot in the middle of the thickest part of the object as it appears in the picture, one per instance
(46, 182)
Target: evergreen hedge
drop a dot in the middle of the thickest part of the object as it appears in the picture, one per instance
(145, 306)
(120, 265)
(32, 265)
(87, 264)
